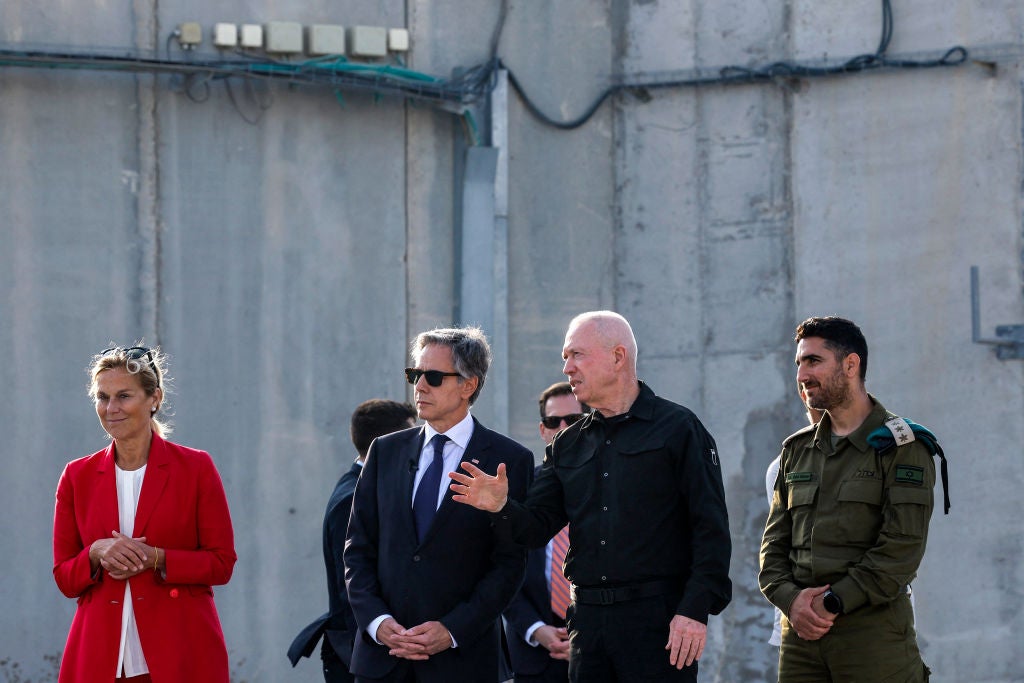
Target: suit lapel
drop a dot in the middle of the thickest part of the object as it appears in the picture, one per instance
(106, 494)
(407, 478)
(153, 483)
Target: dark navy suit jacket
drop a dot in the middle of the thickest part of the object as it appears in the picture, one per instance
(462, 575)
(338, 622)
(532, 603)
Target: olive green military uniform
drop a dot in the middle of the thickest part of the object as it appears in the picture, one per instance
(850, 518)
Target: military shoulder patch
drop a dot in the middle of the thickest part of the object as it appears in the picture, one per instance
(797, 477)
(900, 429)
(908, 474)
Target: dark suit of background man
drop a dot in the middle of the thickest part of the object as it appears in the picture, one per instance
(639, 483)
(371, 419)
(427, 578)
(538, 643)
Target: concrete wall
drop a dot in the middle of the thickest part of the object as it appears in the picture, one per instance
(285, 263)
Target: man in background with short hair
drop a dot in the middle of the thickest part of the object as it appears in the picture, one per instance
(371, 419)
(538, 643)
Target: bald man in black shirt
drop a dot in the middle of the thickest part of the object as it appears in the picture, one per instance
(639, 483)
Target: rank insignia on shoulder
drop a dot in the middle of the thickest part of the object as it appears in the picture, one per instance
(909, 474)
(901, 430)
(798, 477)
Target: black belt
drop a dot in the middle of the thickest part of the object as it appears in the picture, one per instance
(636, 591)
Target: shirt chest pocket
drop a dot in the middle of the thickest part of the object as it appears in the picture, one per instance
(866, 491)
(860, 510)
(800, 503)
(577, 471)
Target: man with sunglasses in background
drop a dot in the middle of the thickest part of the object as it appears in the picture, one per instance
(538, 643)
(428, 578)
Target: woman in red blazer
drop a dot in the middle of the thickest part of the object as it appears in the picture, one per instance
(141, 532)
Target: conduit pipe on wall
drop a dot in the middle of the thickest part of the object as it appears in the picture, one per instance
(481, 249)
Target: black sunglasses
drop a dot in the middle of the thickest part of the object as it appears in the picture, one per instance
(134, 355)
(434, 377)
(553, 421)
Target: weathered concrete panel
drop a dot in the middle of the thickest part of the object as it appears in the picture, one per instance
(659, 255)
(295, 283)
(561, 198)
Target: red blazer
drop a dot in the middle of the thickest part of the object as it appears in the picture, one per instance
(182, 510)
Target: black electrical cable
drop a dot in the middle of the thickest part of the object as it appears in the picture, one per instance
(472, 85)
(547, 120)
(194, 80)
(498, 28)
(251, 92)
(730, 75)
(456, 93)
(887, 26)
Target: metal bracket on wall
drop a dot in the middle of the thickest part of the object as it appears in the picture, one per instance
(1009, 339)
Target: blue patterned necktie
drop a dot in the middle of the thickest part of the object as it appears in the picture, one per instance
(424, 504)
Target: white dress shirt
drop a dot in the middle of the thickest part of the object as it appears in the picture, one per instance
(129, 485)
(458, 439)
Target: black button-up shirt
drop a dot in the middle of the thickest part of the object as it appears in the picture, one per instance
(642, 494)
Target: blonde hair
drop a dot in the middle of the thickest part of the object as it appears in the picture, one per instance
(149, 365)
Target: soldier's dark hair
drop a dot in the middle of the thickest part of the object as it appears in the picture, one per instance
(841, 336)
(378, 417)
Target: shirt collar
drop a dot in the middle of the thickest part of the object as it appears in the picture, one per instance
(858, 437)
(459, 434)
(642, 409)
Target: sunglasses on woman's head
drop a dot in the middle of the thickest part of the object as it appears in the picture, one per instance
(134, 355)
(434, 377)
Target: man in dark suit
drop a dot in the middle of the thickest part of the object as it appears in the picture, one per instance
(538, 644)
(371, 419)
(427, 578)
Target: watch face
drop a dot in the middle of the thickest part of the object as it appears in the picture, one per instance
(832, 603)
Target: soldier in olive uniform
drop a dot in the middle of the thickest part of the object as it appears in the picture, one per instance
(847, 526)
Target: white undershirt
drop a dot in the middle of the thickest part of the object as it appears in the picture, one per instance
(769, 485)
(129, 485)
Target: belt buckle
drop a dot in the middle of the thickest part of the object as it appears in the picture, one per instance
(606, 596)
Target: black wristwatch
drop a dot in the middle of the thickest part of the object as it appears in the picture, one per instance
(832, 602)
